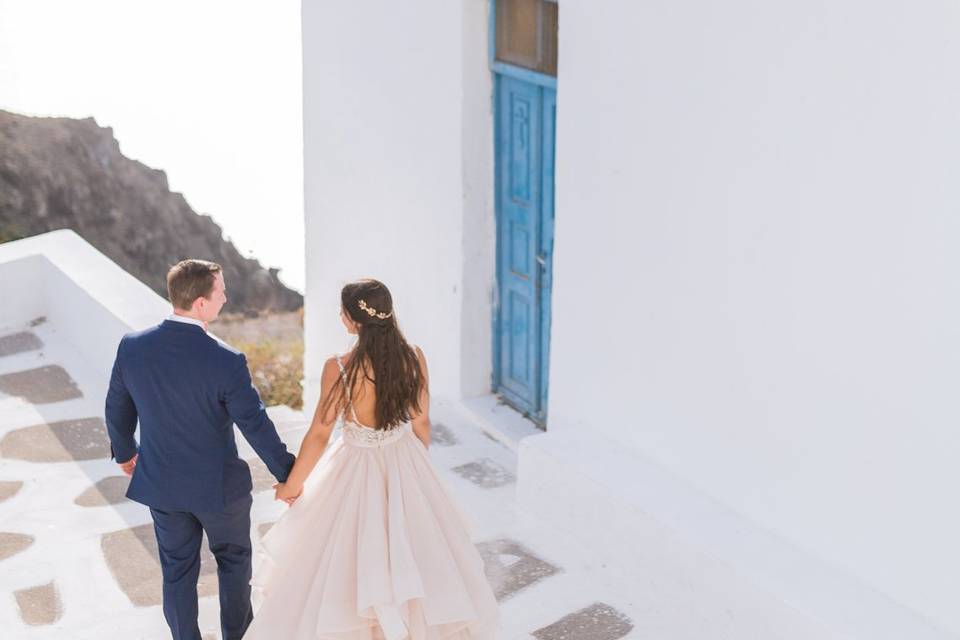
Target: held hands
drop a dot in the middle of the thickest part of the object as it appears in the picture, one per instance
(128, 466)
(287, 493)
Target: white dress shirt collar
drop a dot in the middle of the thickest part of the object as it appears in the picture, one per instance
(187, 320)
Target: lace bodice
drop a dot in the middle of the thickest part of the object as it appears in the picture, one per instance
(367, 437)
(359, 434)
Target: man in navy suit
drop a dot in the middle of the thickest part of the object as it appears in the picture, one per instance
(187, 390)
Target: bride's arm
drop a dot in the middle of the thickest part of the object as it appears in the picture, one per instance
(317, 436)
(421, 421)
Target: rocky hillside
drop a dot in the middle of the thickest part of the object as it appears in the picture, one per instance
(58, 173)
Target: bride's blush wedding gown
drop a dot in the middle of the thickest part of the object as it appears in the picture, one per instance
(375, 548)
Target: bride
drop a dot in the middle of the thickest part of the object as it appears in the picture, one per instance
(373, 547)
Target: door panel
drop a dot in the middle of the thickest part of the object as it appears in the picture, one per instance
(519, 241)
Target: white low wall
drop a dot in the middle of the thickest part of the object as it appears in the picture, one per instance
(91, 300)
(88, 300)
(22, 289)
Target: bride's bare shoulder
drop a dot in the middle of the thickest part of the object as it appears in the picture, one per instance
(330, 366)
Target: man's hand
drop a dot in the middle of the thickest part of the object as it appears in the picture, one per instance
(128, 466)
(285, 492)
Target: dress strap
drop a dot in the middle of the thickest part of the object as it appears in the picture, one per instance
(346, 389)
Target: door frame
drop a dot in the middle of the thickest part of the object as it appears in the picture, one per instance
(503, 69)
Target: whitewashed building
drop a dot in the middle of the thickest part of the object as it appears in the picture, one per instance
(711, 248)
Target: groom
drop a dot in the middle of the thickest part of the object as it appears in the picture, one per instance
(187, 390)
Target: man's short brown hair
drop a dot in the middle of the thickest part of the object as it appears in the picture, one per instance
(191, 279)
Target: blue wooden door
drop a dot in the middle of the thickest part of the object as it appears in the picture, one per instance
(525, 119)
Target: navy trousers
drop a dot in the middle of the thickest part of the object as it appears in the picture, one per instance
(179, 536)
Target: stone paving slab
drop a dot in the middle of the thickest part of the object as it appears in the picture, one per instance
(511, 567)
(9, 488)
(485, 473)
(19, 343)
(39, 605)
(64, 441)
(597, 622)
(132, 556)
(13, 543)
(110, 490)
(442, 435)
(42, 385)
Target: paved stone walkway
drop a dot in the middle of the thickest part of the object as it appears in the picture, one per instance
(79, 560)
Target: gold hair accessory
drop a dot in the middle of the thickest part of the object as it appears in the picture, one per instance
(373, 312)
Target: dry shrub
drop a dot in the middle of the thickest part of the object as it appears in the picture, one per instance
(277, 369)
(273, 343)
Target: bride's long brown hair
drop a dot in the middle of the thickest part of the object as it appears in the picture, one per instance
(382, 355)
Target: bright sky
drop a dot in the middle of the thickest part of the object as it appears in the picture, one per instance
(207, 90)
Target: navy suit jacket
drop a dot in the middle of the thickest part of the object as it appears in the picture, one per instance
(187, 389)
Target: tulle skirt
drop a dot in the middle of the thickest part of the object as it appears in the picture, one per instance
(375, 548)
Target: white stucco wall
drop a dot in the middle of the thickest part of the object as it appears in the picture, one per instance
(756, 266)
(478, 239)
(387, 189)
